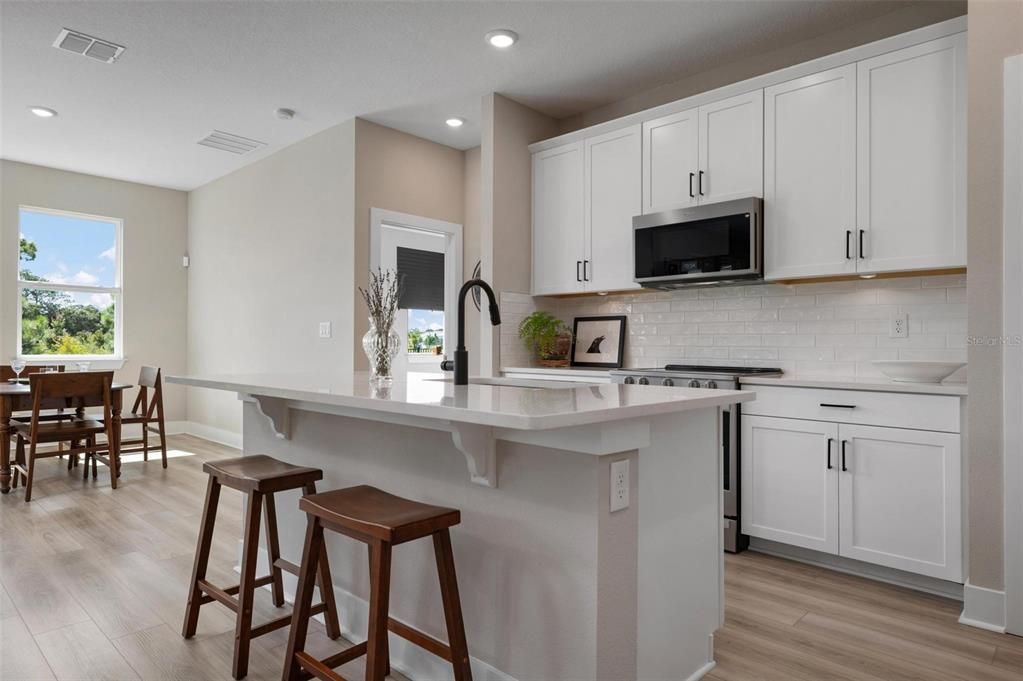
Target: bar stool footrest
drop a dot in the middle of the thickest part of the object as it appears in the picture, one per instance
(424, 641)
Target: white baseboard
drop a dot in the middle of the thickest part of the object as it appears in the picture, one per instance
(407, 658)
(218, 435)
(703, 671)
(983, 608)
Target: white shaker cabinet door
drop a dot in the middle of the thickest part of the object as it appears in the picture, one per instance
(558, 227)
(612, 199)
(810, 175)
(670, 161)
(901, 500)
(911, 157)
(731, 148)
(790, 481)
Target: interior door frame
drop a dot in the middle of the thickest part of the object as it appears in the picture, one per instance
(378, 217)
(1012, 352)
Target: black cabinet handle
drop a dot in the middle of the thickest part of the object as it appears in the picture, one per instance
(578, 277)
(844, 443)
(861, 245)
(586, 265)
(848, 235)
(691, 194)
(699, 183)
(830, 440)
(838, 406)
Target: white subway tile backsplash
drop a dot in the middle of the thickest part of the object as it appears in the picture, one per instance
(753, 315)
(826, 328)
(707, 316)
(911, 296)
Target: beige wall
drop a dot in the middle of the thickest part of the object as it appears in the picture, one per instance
(271, 251)
(155, 233)
(996, 32)
(400, 172)
(507, 214)
(471, 250)
(899, 21)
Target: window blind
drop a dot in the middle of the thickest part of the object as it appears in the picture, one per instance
(424, 279)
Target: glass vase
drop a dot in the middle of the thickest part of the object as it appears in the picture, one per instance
(381, 347)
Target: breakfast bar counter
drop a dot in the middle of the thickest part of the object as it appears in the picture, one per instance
(554, 584)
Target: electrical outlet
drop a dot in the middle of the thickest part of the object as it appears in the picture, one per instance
(899, 326)
(619, 485)
(324, 329)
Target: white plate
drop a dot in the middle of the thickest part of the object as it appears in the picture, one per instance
(906, 371)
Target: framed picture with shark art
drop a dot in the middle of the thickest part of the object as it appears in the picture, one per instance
(598, 341)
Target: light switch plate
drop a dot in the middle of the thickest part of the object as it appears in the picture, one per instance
(324, 329)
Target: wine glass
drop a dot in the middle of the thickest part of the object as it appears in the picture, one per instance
(17, 365)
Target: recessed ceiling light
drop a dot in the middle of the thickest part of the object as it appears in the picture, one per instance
(42, 111)
(502, 38)
(455, 122)
(867, 276)
(285, 114)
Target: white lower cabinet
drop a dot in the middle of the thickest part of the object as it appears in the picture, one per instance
(899, 500)
(883, 495)
(790, 482)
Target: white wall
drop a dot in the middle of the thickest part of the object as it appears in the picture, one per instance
(829, 328)
(155, 288)
(272, 256)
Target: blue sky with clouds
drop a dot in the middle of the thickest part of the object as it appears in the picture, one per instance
(71, 250)
(425, 320)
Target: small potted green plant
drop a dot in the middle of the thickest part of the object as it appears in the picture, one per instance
(547, 336)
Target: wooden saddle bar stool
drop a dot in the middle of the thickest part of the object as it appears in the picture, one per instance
(73, 390)
(148, 412)
(259, 477)
(381, 521)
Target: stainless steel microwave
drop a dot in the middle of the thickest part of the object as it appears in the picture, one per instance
(713, 243)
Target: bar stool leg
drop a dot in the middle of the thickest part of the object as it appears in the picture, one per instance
(202, 556)
(330, 617)
(379, 590)
(452, 605)
(273, 549)
(246, 588)
(314, 546)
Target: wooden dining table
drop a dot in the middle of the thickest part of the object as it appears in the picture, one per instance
(17, 397)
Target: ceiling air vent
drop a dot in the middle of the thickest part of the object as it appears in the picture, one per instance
(235, 144)
(88, 46)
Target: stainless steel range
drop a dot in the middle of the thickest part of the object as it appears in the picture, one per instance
(710, 377)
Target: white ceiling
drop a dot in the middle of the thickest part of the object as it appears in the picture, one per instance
(192, 67)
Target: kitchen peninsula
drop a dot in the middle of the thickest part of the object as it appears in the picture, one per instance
(554, 585)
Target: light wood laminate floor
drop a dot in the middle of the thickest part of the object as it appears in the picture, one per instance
(92, 586)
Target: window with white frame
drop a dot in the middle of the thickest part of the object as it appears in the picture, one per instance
(69, 284)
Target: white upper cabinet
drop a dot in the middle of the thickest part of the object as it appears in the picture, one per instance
(810, 175)
(613, 197)
(705, 155)
(670, 161)
(911, 157)
(900, 500)
(558, 225)
(731, 149)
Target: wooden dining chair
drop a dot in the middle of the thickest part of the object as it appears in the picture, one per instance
(75, 389)
(148, 412)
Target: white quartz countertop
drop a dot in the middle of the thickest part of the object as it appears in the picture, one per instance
(858, 383)
(580, 372)
(555, 405)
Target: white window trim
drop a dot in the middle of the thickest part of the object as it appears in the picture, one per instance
(114, 361)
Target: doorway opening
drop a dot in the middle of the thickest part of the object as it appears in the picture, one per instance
(428, 253)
